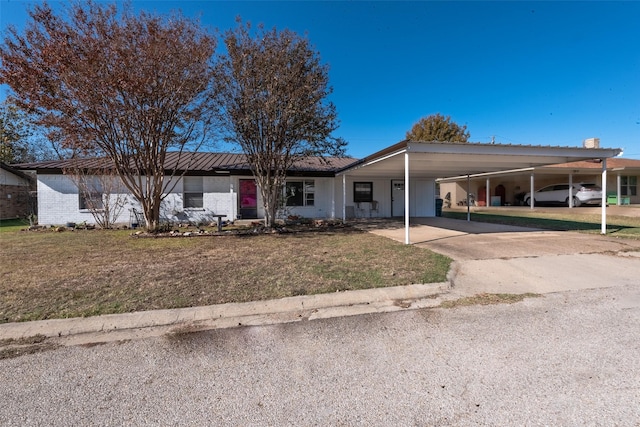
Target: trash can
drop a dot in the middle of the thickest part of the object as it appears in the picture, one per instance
(439, 207)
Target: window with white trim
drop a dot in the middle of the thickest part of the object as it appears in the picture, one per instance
(193, 190)
(629, 185)
(300, 193)
(90, 194)
(363, 192)
(90, 200)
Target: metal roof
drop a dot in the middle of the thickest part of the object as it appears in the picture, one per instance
(428, 160)
(15, 171)
(196, 163)
(613, 163)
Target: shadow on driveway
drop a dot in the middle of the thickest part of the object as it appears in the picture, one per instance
(495, 258)
(464, 240)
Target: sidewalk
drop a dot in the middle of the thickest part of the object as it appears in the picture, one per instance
(118, 327)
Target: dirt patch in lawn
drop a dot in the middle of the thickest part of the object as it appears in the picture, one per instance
(488, 299)
(10, 348)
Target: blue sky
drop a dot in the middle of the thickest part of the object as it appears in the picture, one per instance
(542, 73)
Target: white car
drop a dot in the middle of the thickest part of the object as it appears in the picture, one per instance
(583, 194)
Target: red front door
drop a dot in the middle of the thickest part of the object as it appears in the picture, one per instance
(248, 199)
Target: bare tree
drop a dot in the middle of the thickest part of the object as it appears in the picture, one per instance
(100, 189)
(131, 87)
(437, 127)
(273, 92)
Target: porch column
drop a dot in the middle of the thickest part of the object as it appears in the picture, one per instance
(603, 229)
(570, 190)
(487, 194)
(406, 198)
(531, 192)
(233, 202)
(333, 200)
(344, 198)
(618, 189)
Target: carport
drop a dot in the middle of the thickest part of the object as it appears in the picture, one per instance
(433, 160)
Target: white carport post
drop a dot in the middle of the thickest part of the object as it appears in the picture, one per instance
(344, 198)
(603, 229)
(532, 199)
(487, 195)
(406, 198)
(468, 198)
(618, 189)
(570, 190)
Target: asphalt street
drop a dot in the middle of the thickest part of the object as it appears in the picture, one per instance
(566, 358)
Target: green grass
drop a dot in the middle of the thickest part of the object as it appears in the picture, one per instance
(11, 225)
(620, 226)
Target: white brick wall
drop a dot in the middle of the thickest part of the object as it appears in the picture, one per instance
(58, 202)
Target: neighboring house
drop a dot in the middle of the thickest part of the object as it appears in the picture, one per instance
(15, 188)
(508, 188)
(398, 181)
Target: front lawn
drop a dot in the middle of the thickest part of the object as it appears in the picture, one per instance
(47, 274)
(8, 225)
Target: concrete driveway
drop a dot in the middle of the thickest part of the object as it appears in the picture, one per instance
(506, 259)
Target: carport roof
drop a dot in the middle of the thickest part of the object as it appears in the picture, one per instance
(433, 160)
(589, 166)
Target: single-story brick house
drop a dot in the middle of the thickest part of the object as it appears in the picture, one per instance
(222, 183)
(206, 184)
(15, 188)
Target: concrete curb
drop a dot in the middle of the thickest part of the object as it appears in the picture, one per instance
(117, 327)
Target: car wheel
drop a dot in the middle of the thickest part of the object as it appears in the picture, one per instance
(576, 202)
(527, 202)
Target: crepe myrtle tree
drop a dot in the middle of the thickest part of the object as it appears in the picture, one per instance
(100, 189)
(131, 87)
(272, 90)
(438, 128)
